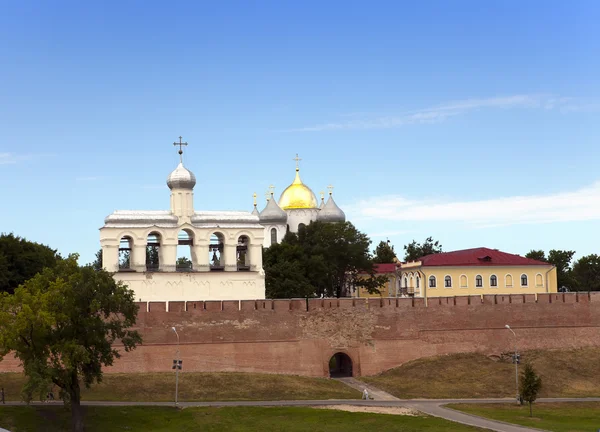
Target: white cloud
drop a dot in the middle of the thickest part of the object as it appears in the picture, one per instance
(7, 158)
(12, 158)
(579, 205)
(90, 178)
(440, 113)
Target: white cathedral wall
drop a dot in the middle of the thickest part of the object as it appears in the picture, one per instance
(194, 286)
(301, 216)
(281, 230)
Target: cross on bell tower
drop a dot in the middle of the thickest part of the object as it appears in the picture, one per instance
(180, 144)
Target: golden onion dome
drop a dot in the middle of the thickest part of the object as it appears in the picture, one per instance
(297, 195)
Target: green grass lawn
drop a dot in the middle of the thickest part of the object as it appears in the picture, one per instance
(558, 417)
(193, 386)
(234, 419)
(565, 373)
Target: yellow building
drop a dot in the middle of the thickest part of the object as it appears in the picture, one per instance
(475, 271)
(391, 287)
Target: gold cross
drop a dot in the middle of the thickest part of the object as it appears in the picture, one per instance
(330, 189)
(180, 144)
(272, 189)
(297, 159)
(268, 195)
(322, 195)
(254, 196)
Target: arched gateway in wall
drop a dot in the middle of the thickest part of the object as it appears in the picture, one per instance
(340, 365)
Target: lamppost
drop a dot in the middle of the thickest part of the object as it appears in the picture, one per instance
(177, 366)
(516, 362)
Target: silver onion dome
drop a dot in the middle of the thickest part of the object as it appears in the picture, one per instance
(331, 212)
(272, 213)
(181, 178)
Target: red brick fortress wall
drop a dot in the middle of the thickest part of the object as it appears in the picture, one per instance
(300, 336)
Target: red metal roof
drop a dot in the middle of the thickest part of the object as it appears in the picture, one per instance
(385, 268)
(477, 257)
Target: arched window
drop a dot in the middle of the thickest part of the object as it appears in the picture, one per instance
(405, 282)
(185, 243)
(125, 248)
(524, 280)
(493, 281)
(153, 252)
(273, 236)
(418, 281)
(215, 252)
(301, 226)
(243, 260)
(448, 281)
(508, 281)
(539, 280)
(431, 281)
(464, 283)
(478, 281)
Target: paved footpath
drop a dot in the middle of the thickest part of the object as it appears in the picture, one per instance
(432, 407)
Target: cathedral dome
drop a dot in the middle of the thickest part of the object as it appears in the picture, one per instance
(181, 178)
(297, 195)
(272, 213)
(331, 212)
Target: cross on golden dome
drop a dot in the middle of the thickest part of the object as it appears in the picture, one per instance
(297, 159)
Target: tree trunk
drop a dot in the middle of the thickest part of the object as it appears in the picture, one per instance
(530, 409)
(76, 410)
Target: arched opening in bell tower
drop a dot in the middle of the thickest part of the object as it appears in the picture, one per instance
(185, 242)
(242, 252)
(153, 252)
(215, 252)
(125, 248)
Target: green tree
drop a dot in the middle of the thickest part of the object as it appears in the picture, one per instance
(97, 263)
(323, 259)
(530, 386)
(152, 257)
(183, 263)
(384, 253)
(62, 324)
(413, 251)
(21, 259)
(586, 273)
(561, 259)
(538, 255)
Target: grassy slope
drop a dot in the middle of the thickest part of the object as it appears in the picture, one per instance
(201, 387)
(238, 419)
(565, 373)
(558, 417)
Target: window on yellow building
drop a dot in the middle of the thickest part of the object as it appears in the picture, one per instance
(539, 281)
(431, 281)
(448, 281)
(418, 279)
(508, 280)
(463, 281)
(478, 281)
(523, 280)
(493, 280)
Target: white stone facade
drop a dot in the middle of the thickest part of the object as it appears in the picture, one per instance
(224, 250)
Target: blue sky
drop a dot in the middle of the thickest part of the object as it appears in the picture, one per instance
(474, 122)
